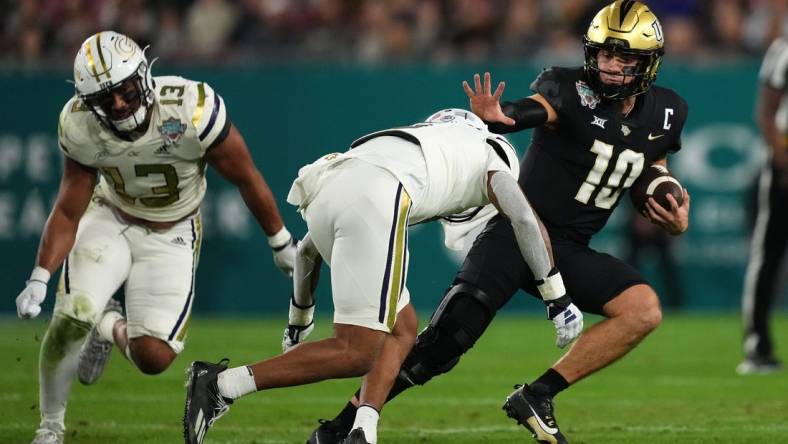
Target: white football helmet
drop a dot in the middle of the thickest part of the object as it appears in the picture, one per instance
(105, 62)
(457, 115)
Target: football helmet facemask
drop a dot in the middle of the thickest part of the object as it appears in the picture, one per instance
(110, 64)
(629, 29)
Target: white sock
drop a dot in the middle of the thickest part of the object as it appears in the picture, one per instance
(107, 324)
(236, 382)
(367, 418)
(54, 421)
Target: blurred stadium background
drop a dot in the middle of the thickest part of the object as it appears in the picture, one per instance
(305, 77)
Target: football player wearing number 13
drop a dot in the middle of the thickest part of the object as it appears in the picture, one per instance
(595, 128)
(143, 142)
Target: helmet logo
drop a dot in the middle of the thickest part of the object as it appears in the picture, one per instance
(172, 129)
(587, 95)
(657, 31)
(125, 47)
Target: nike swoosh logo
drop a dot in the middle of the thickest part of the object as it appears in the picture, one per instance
(653, 137)
(550, 430)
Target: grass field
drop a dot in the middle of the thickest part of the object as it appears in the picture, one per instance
(678, 387)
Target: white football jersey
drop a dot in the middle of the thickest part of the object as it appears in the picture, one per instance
(160, 176)
(774, 73)
(446, 176)
(457, 157)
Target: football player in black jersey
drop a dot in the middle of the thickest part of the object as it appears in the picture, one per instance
(596, 127)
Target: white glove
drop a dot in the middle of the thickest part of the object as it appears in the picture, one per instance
(300, 324)
(295, 334)
(28, 303)
(283, 246)
(567, 318)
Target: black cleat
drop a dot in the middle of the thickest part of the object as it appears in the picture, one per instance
(328, 432)
(356, 437)
(535, 412)
(204, 404)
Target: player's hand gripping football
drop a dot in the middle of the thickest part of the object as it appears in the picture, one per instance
(674, 220)
(485, 103)
(28, 303)
(567, 318)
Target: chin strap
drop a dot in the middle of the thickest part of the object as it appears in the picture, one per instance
(138, 118)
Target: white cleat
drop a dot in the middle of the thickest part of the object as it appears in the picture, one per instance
(759, 365)
(96, 351)
(49, 433)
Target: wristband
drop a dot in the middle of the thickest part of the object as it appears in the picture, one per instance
(301, 316)
(280, 239)
(40, 274)
(551, 287)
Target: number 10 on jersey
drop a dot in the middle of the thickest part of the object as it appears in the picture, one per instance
(608, 195)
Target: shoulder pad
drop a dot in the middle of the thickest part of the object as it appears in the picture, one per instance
(196, 103)
(76, 123)
(548, 84)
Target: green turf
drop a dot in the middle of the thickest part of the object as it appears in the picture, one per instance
(679, 386)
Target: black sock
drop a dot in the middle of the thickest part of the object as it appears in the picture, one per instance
(347, 416)
(400, 385)
(550, 383)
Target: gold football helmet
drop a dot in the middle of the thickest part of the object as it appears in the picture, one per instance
(628, 28)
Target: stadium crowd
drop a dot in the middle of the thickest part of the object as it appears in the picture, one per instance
(36, 33)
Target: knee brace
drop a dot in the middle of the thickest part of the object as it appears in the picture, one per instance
(458, 322)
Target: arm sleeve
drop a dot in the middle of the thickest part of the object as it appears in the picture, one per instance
(513, 204)
(307, 263)
(527, 113)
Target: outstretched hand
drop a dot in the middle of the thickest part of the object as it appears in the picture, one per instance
(485, 103)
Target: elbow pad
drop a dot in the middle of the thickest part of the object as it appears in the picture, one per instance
(527, 113)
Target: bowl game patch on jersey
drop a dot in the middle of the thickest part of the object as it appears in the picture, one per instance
(172, 129)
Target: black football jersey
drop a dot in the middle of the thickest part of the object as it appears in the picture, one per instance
(577, 169)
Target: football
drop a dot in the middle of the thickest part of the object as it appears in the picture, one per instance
(655, 181)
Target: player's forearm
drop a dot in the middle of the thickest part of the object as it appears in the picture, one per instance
(527, 113)
(260, 201)
(533, 242)
(306, 273)
(57, 240)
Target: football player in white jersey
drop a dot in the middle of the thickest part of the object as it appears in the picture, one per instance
(128, 213)
(358, 206)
